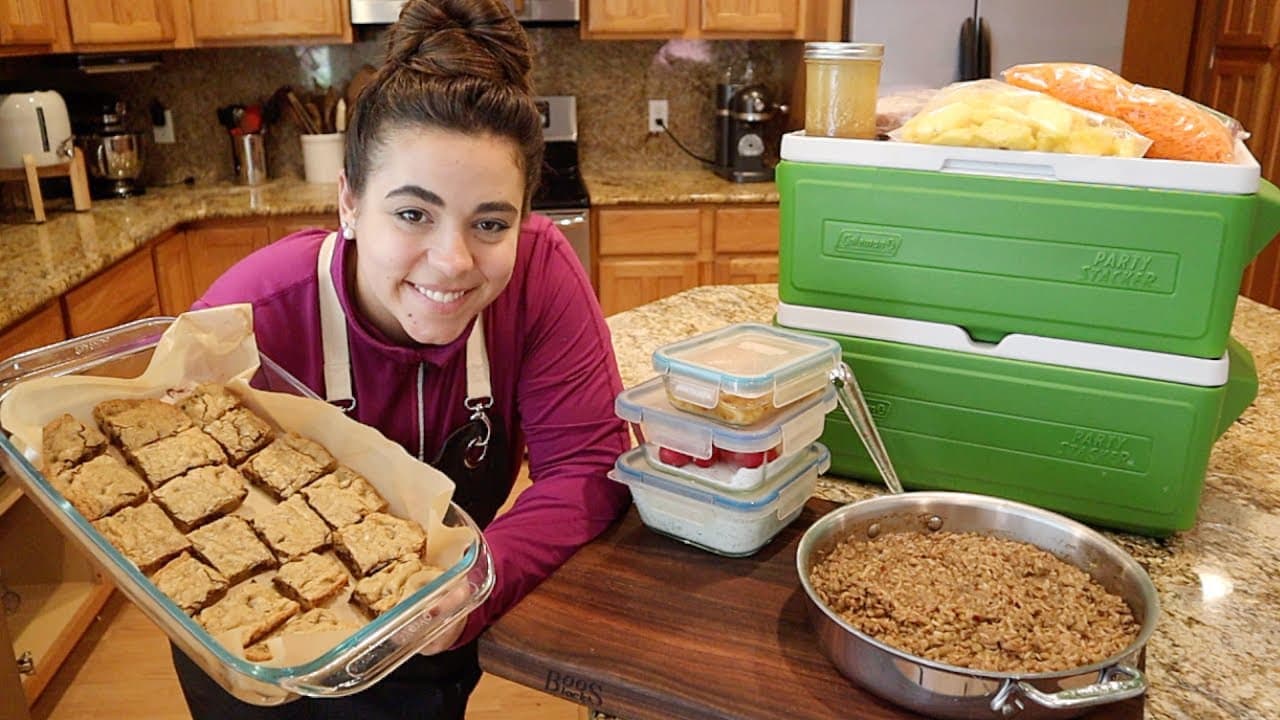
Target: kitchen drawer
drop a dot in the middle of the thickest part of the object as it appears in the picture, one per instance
(747, 229)
(649, 231)
(44, 327)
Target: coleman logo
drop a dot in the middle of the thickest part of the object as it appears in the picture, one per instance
(866, 242)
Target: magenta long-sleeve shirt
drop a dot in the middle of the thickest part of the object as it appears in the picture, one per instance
(553, 374)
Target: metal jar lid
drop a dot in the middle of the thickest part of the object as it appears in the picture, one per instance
(843, 51)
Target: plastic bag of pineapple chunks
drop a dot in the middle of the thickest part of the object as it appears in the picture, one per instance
(992, 114)
(1179, 128)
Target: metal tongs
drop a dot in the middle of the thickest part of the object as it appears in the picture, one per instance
(855, 408)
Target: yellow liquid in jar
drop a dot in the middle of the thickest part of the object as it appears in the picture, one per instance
(840, 97)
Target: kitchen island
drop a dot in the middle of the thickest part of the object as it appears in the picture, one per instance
(1213, 651)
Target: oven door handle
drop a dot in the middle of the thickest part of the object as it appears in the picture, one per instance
(566, 221)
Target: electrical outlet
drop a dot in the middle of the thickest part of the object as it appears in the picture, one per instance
(657, 114)
(163, 134)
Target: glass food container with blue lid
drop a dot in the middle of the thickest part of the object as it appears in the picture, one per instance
(725, 457)
(744, 373)
(731, 524)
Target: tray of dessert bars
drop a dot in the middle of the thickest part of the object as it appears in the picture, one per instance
(287, 549)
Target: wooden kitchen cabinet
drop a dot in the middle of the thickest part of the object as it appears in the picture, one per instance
(43, 327)
(651, 18)
(648, 253)
(713, 19)
(262, 19)
(125, 291)
(174, 282)
(279, 227)
(123, 22)
(747, 16)
(213, 249)
(29, 26)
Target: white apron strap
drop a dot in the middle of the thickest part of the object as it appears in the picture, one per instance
(337, 354)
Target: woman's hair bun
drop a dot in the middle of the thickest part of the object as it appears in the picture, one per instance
(460, 38)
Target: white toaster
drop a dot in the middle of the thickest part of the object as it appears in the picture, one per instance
(35, 124)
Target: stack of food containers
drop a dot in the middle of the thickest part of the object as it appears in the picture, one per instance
(728, 432)
(1049, 328)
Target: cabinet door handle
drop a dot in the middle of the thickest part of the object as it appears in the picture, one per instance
(26, 663)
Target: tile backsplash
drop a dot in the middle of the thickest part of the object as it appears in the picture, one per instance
(612, 80)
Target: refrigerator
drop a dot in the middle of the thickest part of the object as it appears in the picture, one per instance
(931, 43)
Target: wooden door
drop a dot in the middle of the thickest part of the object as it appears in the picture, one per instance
(1236, 59)
(235, 19)
(747, 230)
(27, 22)
(213, 250)
(646, 18)
(121, 21)
(124, 292)
(290, 224)
(630, 282)
(750, 16)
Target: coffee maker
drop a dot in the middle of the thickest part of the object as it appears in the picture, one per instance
(744, 112)
(110, 137)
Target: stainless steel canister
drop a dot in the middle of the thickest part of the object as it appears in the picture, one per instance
(249, 155)
(945, 691)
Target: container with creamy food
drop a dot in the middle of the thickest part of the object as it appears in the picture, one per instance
(732, 524)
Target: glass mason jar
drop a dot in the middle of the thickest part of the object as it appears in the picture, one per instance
(842, 81)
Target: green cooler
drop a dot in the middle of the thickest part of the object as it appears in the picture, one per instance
(1111, 436)
(1131, 252)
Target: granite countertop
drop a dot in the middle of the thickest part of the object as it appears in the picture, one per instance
(39, 262)
(669, 187)
(1219, 631)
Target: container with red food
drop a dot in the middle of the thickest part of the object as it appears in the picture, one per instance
(729, 458)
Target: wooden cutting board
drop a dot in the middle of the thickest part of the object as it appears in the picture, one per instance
(643, 627)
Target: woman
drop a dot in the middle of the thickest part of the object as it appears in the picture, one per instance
(438, 261)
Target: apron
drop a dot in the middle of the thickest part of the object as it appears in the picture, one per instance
(475, 456)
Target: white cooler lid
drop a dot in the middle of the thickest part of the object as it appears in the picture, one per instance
(1238, 178)
(1205, 372)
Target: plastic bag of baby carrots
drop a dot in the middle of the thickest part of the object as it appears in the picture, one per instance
(1179, 129)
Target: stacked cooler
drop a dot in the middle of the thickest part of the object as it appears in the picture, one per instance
(1049, 328)
(728, 431)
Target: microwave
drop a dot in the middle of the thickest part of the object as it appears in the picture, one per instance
(528, 12)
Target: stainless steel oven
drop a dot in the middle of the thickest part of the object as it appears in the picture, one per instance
(529, 12)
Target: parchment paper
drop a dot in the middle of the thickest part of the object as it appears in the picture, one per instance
(218, 345)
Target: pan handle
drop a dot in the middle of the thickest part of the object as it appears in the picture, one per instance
(1108, 689)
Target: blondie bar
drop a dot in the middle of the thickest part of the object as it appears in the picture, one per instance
(172, 456)
(396, 581)
(102, 486)
(292, 529)
(311, 579)
(229, 545)
(198, 496)
(134, 423)
(288, 464)
(190, 583)
(377, 540)
(250, 611)
(343, 497)
(144, 535)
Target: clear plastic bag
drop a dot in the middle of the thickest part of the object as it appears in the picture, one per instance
(1180, 129)
(992, 114)
(893, 111)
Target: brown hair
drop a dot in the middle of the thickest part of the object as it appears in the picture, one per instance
(458, 65)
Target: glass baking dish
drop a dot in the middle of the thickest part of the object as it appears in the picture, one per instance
(354, 664)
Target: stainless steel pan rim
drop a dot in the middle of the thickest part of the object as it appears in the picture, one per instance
(1115, 678)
